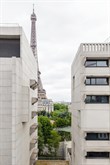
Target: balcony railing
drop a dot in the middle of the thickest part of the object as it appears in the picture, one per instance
(33, 143)
(33, 84)
(33, 157)
(34, 113)
(33, 128)
(34, 100)
(95, 47)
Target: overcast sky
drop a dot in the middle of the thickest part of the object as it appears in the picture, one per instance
(61, 27)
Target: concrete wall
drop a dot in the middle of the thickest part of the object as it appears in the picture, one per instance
(89, 117)
(15, 102)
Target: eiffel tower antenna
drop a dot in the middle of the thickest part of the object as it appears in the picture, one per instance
(33, 7)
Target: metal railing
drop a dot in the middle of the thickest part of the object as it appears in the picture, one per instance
(50, 158)
(95, 47)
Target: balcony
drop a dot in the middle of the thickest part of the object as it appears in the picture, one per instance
(33, 157)
(33, 128)
(25, 118)
(34, 113)
(95, 47)
(33, 84)
(33, 143)
(34, 100)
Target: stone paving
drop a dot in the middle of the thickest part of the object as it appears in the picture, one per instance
(52, 162)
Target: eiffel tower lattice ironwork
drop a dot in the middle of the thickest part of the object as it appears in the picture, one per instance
(33, 44)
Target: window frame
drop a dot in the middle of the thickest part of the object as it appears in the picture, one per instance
(10, 47)
(102, 136)
(96, 99)
(96, 60)
(96, 78)
(106, 156)
(95, 136)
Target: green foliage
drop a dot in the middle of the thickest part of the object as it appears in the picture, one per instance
(61, 116)
(61, 122)
(48, 137)
(46, 127)
(43, 113)
(65, 135)
(53, 142)
(58, 106)
(40, 139)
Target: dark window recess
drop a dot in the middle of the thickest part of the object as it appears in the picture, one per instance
(96, 99)
(96, 63)
(92, 155)
(9, 47)
(97, 81)
(97, 136)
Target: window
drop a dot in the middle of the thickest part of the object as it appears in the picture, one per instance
(96, 63)
(103, 136)
(96, 99)
(9, 47)
(93, 155)
(97, 136)
(93, 81)
(97, 81)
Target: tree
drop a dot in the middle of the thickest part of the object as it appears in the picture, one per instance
(65, 135)
(48, 137)
(53, 142)
(46, 127)
(58, 106)
(43, 113)
(40, 139)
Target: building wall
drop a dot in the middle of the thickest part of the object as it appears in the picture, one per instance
(45, 105)
(67, 151)
(15, 102)
(89, 117)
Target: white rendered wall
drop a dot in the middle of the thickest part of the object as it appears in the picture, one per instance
(89, 117)
(15, 103)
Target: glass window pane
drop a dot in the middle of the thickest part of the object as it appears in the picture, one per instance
(91, 63)
(87, 81)
(9, 47)
(104, 99)
(93, 99)
(97, 155)
(88, 99)
(101, 63)
(102, 136)
(101, 81)
(97, 136)
(97, 99)
(93, 81)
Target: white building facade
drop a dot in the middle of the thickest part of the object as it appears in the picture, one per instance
(45, 105)
(90, 91)
(18, 99)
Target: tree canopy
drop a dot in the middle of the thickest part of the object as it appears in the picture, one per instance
(48, 138)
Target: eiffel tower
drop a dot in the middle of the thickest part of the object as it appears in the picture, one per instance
(33, 44)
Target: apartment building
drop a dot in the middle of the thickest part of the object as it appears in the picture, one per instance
(18, 99)
(46, 105)
(90, 90)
